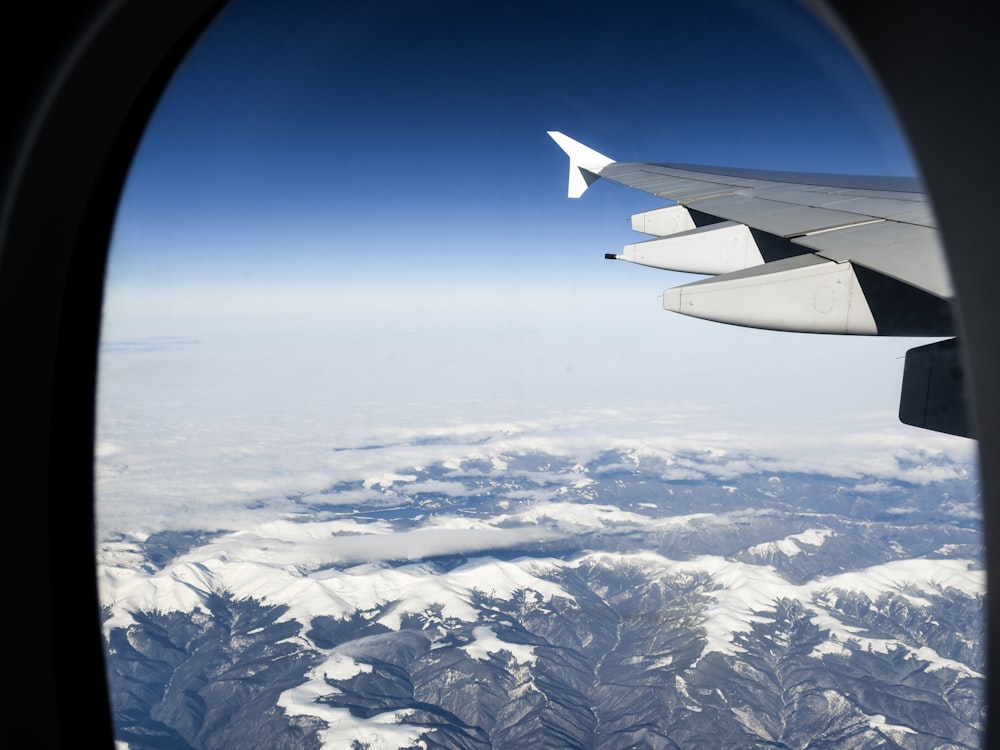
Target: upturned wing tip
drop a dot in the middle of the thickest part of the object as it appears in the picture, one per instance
(585, 164)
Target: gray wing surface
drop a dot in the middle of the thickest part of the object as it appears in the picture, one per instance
(796, 252)
(889, 231)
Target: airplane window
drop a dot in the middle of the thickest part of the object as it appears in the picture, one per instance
(388, 454)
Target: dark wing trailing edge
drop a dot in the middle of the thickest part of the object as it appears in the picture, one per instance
(800, 252)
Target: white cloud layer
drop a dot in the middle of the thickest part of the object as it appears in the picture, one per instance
(215, 404)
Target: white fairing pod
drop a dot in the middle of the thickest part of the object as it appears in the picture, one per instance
(805, 293)
(663, 222)
(715, 249)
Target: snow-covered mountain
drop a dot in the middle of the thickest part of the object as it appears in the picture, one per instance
(521, 594)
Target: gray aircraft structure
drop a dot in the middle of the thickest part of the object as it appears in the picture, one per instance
(812, 253)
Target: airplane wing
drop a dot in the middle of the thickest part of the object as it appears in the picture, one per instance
(800, 252)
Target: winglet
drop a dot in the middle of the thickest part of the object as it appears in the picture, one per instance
(585, 164)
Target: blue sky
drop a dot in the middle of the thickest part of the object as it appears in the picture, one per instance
(408, 139)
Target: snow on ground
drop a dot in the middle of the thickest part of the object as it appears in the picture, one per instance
(748, 594)
(290, 563)
(259, 563)
(379, 732)
(487, 643)
(791, 546)
(185, 584)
